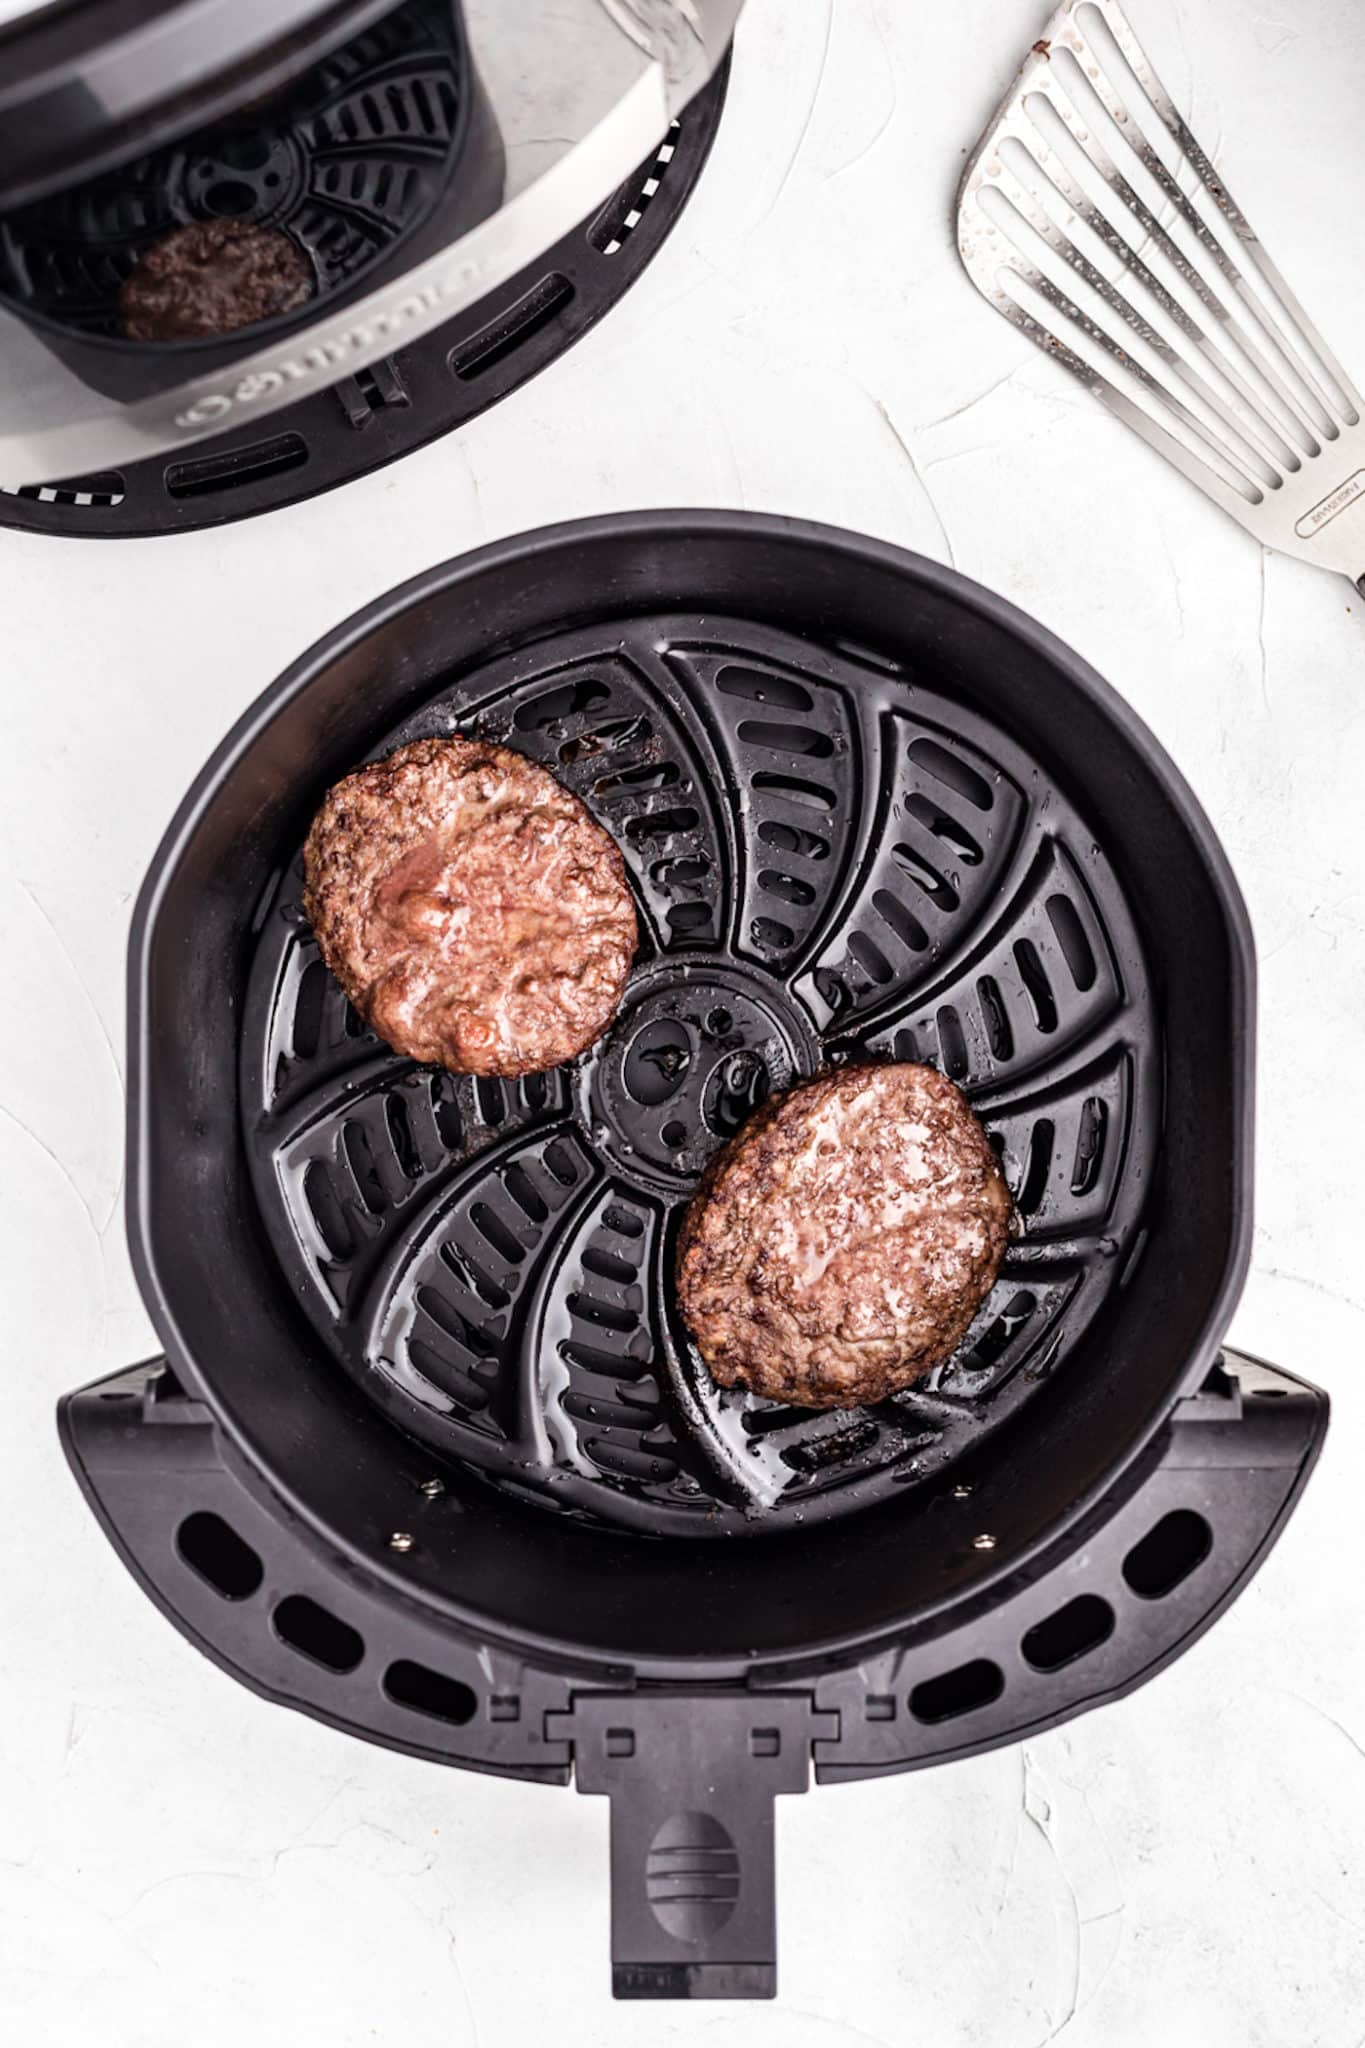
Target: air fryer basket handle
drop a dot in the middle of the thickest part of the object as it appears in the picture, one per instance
(692, 1773)
(692, 1777)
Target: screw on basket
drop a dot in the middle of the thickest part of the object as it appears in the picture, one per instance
(1090, 217)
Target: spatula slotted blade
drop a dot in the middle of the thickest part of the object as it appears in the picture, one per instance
(1090, 217)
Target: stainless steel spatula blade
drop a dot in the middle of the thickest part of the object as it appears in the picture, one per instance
(1091, 218)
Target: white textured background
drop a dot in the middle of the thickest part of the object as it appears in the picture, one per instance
(183, 1867)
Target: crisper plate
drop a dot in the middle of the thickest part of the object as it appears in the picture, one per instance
(830, 859)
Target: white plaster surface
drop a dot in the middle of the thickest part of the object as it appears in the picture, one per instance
(184, 1867)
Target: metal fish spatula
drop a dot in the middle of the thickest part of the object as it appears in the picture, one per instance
(1091, 218)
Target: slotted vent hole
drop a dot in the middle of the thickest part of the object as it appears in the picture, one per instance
(1090, 1136)
(496, 1233)
(355, 1143)
(838, 1448)
(628, 1462)
(1039, 1166)
(623, 1222)
(566, 701)
(306, 1030)
(814, 795)
(513, 328)
(761, 687)
(900, 920)
(952, 1043)
(445, 1317)
(1074, 1630)
(424, 1691)
(649, 776)
(960, 1691)
(524, 1192)
(317, 1634)
(792, 839)
(788, 888)
(446, 1111)
(675, 873)
(606, 1314)
(405, 1149)
(1039, 991)
(561, 1163)
(953, 773)
(608, 1266)
(936, 887)
(771, 934)
(327, 1212)
(954, 836)
(607, 1414)
(490, 1101)
(208, 475)
(461, 1386)
(1168, 1554)
(786, 739)
(466, 1268)
(997, 1337)
(1065, 920)
(999, 1037)
(595, 1358)
(663, 824)
(534, 1090)
(223, 1559)
(870, 958)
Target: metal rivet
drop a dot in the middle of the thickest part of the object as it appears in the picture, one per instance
(400, 1540)
(432, 1487)
(962, 1493)
(983, 1543)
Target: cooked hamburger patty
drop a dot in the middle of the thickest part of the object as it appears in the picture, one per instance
(842, 1242)
(475, 914)
(211, 277)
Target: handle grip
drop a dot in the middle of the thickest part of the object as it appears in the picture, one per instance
(691, 1777)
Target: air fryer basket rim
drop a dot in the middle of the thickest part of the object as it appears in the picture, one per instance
(526, 551)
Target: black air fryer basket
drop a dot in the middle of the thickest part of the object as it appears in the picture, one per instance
(428, 1454)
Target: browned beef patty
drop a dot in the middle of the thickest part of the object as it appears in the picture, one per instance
(475, 914)
(211, 277)
(840, 1245)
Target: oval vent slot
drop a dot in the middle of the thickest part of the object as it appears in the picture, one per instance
(1167, 1554)
(429, 1692)
(321, 1637)
(960, 1691)
(213, 1549)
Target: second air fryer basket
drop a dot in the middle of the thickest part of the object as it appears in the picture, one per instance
(382, 153)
